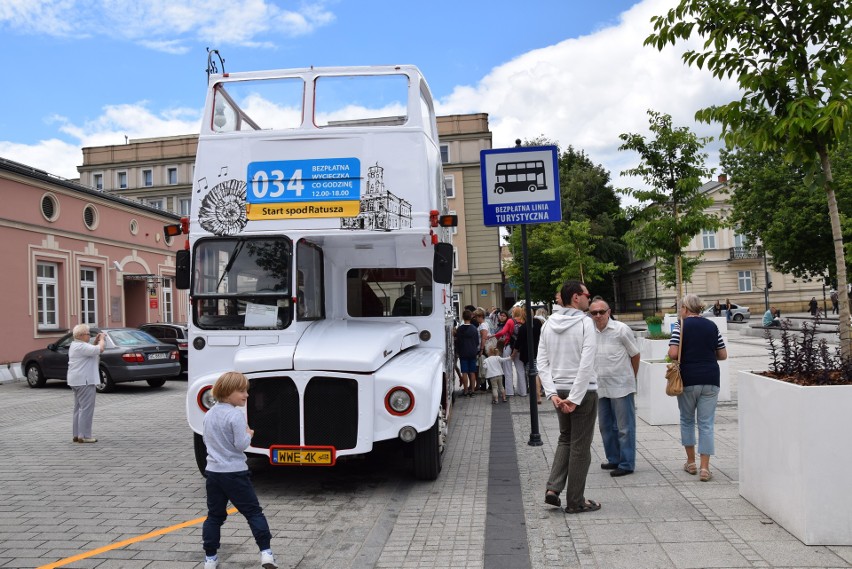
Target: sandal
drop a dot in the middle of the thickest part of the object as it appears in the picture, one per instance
(690, 468)
(552, 498)
(589, 506)
(706, 475)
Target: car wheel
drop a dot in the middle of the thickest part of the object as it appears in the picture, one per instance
(107, 384)
(156, 382)
(34, 376)
(738, 317)
(200, 453)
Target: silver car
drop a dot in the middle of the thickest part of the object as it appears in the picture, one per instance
(738, 313)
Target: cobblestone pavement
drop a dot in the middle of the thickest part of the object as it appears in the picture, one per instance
(59, 499)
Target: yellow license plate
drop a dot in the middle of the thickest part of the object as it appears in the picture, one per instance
(285, 455)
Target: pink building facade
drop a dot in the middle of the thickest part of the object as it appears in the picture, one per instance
(72, 255)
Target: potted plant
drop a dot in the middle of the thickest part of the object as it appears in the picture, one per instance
(655, 324)
(792, 423)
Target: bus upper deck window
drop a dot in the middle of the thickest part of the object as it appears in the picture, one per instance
(361, 100)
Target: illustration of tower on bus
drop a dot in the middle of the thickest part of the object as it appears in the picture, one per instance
(380, 209)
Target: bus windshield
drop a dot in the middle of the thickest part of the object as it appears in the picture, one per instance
(242, 283)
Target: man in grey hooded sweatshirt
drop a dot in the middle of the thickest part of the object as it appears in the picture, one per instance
(566, 365)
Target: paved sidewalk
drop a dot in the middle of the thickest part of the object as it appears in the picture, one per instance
(660, 516)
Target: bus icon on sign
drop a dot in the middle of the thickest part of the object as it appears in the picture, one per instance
(527, 176)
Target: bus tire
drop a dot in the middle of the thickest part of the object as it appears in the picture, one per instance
(200, 453)
(428, 458)
(532, 187)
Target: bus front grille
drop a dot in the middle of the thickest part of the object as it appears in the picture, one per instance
(273, 411)
(331, 412)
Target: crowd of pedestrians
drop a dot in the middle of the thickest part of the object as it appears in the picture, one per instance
(585, 363)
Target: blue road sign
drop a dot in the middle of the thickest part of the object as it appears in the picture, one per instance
(520, 185)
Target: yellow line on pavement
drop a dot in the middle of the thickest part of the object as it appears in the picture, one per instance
(126, 542)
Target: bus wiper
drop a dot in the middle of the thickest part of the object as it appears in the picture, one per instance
(237, 248)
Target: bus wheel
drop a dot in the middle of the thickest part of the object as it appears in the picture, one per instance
(428, 458)
(532, 187)
(200, 453)
(499, 189)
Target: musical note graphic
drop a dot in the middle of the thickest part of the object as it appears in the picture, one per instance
(202, 185)
(223, 171)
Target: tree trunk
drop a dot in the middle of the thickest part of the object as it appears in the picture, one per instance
(839, 258)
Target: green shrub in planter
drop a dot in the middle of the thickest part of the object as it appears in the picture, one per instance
(655, 325)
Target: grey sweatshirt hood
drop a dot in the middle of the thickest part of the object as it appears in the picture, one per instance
(565, 318)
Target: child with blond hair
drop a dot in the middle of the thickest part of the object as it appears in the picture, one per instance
(227, 436)
(493, 371)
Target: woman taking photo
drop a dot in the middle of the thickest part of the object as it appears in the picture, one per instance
(702, 348)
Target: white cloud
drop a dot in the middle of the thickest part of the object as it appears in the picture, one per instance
(61, 158)
(584, 92)
(166, 25)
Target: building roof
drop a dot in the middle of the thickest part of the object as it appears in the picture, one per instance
(29, 171)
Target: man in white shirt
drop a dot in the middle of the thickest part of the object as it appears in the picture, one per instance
(617, 363)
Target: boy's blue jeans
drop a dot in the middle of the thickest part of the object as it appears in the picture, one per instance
(236, 487)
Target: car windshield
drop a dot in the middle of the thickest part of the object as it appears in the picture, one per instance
(130, 338)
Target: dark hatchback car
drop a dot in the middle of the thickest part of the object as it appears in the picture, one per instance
(174, 334)
(129, 355)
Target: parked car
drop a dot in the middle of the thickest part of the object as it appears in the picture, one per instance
(174, 334)
(738, 313)
(129, 355)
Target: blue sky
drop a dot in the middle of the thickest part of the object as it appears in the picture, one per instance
(90, 72)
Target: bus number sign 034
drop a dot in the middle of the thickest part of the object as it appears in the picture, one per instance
(520, 185)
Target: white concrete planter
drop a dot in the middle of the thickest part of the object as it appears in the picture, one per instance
(652, 404)
(794, 458)
(653, 349)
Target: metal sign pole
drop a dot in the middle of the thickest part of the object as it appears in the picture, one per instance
(535, 437)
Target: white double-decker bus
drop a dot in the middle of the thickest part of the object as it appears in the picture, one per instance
(319, 263)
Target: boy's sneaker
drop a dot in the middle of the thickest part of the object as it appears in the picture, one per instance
(211, 562)
(267, 561)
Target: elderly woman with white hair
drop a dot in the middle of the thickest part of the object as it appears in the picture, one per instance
(701, 347)
(83, 376)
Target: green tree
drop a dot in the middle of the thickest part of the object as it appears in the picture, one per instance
(772, 202)
(590, 210)
(673, 209)
(791, 61)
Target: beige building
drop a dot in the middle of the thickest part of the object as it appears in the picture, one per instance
(159, 173)
(478, 278)
(731, 269)
(155, 171)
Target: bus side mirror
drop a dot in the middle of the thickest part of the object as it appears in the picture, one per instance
(442, 264)
(182, 269)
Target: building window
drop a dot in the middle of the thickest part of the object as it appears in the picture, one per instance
(445, 153)
(121, 181)
(167, 300)
(50, 207)
(98, 181)
(744, 281)
(185, 204)
(88, 297)
(155, 203)
(454, 229)
(134, 227)
(708, 239)
(172, 176)
(46, 281)
(90, 217)
(741, 241)
(147, 178)
(450, 185)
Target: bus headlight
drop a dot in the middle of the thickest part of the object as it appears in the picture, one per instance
(399, 401)
(205, 398)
